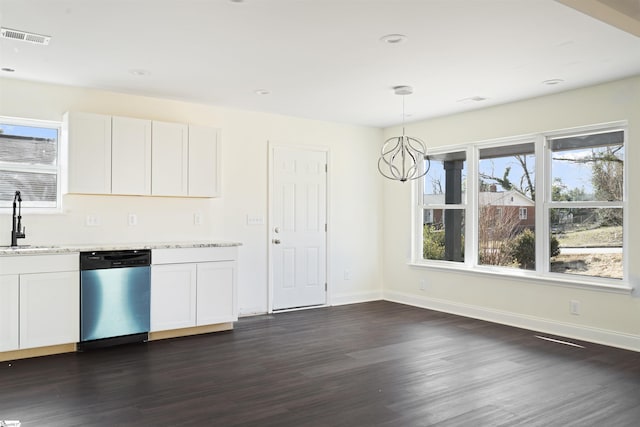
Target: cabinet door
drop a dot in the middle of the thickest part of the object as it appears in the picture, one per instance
(173, 296)
(131, 156)
(216, 293)
(169, 154)
(9, 312)
(89, 143)
(49, 309)
(204, 161)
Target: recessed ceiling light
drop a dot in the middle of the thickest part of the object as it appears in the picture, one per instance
(393, 38)
(139, 72)
(472, 99)
(7, 69)
(262, 92)
(552, 82)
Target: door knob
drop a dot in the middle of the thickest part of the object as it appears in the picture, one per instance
(276, 241)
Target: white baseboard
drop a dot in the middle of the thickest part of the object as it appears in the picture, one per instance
(569, 330)
(354, 298)
(251, 311)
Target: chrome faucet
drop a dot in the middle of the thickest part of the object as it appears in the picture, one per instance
(17, 230)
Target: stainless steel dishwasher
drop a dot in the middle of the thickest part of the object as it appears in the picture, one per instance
(115, 294)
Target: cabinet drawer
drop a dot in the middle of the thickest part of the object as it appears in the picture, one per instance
(182, 255)
(24, 264)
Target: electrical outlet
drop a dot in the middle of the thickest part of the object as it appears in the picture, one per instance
(133, 219)
(422, 284)
(347, 274)
(574, 307)
(92, 221)
(197, 218)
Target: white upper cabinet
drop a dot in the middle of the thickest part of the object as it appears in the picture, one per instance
(123, 155)
(170, 159)
(131, 156)
(89, 163)
(204, 161)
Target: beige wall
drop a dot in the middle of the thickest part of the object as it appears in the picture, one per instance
(354, 190)
(608, 317)
(369, 217)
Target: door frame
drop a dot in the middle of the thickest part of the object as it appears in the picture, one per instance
(271, 146)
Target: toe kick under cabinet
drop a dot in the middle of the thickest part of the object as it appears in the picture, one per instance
(193, 288)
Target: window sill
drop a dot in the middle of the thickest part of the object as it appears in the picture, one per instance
(597, 284)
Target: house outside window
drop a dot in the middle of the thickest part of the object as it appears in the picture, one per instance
(546, 205)
(30, 163)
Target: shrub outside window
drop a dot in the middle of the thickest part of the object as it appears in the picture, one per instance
(506, 178)
(546, 205)
(443, 208)
(585, 210)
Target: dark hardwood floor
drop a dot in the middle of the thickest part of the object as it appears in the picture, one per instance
(371, 364)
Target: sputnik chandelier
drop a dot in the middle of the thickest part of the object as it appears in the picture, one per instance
(402, 157)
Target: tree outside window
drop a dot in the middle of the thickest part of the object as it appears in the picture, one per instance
(586, 207)
(580, 194)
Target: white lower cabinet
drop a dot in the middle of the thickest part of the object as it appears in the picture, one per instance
(188, 294)
(49, 309)
(39, 301)
(215, 302)
(173, 296)
(9, 299)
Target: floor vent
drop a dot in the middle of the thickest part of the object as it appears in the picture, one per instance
(559, 341)
(24, 36)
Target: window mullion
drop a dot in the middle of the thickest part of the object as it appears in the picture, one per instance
(543, 194)
(471, 224)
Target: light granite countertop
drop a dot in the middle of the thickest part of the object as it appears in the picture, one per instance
(62, 249)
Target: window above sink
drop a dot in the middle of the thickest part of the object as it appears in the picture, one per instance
(30, 162)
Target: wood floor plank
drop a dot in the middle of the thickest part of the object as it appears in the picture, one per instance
(370, 364)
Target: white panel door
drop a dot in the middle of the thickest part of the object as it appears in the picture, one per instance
(49, 309)
(89, 140)
(298, 228)
(204, 161)
(130, 156)
(173, 296)
(216, 293)
(9, 312)
(169, 159)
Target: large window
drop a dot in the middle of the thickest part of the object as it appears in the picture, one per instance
(545, 205)
(30, 163)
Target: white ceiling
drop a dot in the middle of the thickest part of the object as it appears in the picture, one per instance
(320, 59)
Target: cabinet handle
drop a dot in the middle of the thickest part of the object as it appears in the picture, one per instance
(276, 241)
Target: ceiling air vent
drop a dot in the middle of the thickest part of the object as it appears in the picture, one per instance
(24, 36)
